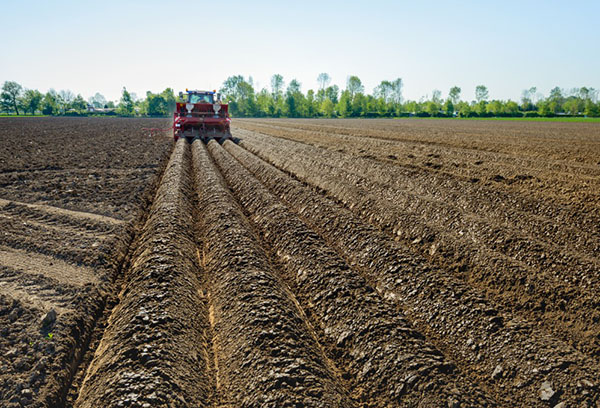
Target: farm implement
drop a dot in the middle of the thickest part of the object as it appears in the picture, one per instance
(201, 115)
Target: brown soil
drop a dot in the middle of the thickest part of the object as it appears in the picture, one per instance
(317, 263)
(69, 190)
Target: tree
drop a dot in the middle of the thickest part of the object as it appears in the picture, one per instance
(327, 108)
(323, 79)
(449, 107)
(591, 109)
(241, 94)
(511, 108)
(97, 101)
(533, 94)
(32, 100)
(354, 86)
(344, 106)
(495, 108)
(125, 107)
(454, 94)
(277, 85)
(11, 92)
(359, 105)
(464, 109)
(67, 97)
(332, 93)
(168, 96)
(311, 108)
(155, 104)
(436, 96)
(396, 96)
(480, 108)
(294, 100)
(265, 103)
(50, 105)
(572, 105)
(384, 91)
(481, 93)
(79, 104)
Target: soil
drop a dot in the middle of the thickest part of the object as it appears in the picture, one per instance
(70, 190)
(315, 263)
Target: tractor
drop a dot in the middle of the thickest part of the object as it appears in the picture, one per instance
(201, 115)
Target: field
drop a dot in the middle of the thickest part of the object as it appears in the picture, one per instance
(315, 263)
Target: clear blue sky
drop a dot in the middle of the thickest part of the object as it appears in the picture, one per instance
(103, 45)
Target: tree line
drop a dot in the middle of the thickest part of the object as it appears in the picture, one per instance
(328, 101)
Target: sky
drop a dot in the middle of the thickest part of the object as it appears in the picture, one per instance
(103, 46)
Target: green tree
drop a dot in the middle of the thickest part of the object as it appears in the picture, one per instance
(32, 99)
(277, 85)
(312, 107)
(591, 109)
(168, 96)
(495, 108)
(98, 101)
(359, 105)
(526, 103)
(65, 99)
(354, 86)
(241, 94)
(125, 107)
(79, 104)
(50, 103)
(11, 94)
(344, 106)
(449, 107)
(327, 108)
(511, 108)
(323, 79)
(544, 108)
(157, 104)
(454, 95)
(432, 108)
(384, 91)
(396, 95)
(480, 108)
(332, 93)
(533, 95)
(464, 109)
(265, 103)
(294, 100)
(573, 105)
(481, 93)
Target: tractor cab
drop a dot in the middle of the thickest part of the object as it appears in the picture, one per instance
(201, 97)
(200, 114)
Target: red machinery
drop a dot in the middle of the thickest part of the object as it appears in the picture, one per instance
(202, 116)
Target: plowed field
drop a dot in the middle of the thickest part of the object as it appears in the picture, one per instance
(315, 263)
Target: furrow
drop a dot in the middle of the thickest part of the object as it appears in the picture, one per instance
(52, 241)
(265, 350)
(553, 287)
(60, 217)
(538, 219)
(508, 354)
(389, 362)
(154, 351)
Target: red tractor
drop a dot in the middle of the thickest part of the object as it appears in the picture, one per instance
(201, 115)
